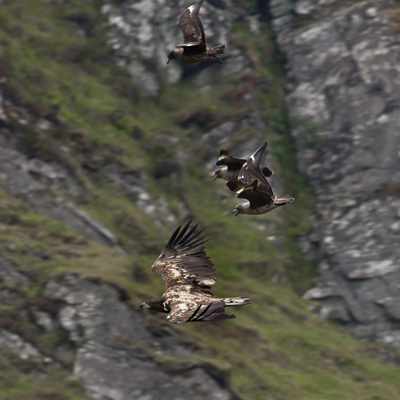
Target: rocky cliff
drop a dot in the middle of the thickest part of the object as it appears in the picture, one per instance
(343, 100)
(121, 357)
(104, 151)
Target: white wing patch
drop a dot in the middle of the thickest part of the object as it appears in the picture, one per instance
(175, 271)
(181, 275)
(185, 293)
(223, 157)
(191, 8)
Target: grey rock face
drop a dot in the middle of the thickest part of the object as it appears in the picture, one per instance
(18, 345)
(142, 33)
(133, 185)
(8, 271)
(117, 354)
(344, 101)
(48, 188)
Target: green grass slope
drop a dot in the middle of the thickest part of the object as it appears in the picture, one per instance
(275, 349)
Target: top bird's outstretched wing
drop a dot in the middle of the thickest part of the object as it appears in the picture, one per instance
(251, 172)
(192, 29)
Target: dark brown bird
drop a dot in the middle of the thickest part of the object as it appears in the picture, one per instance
(187, 273)
(259, 202)
(230, 173)
(194, 48)
(260, 196)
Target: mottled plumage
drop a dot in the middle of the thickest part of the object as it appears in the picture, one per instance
(260, 196)
(231, 172)
(194, 48)
(188, 275)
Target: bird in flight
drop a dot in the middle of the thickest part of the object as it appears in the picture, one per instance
(194, 48)
(188, 275)
(231, 172)
(260, 196)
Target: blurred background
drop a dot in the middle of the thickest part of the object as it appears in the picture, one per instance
(105, 150)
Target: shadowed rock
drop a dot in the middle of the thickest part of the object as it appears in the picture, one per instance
(194, 48)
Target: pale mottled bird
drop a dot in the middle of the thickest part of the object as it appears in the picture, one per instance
(194, 48)
(188, 275)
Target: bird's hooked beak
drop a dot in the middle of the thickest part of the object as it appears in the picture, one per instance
(170, 56)
(215, 175)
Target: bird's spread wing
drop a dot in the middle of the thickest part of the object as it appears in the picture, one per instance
(183, 262)
(235, 187)
(251, 172)
(257, 199)
(191, 27)
(192, 49)
(182, 311)
(233, 163)
(262, 185)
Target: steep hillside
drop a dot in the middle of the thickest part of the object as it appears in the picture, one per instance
(96, 173)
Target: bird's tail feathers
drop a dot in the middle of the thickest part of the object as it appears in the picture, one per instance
(236, 301)
(217, 50)
(284, 200)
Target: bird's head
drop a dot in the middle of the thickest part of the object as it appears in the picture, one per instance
(238, 210)
(144, 305)
(173, 54)
(156, 305)
(217, 174)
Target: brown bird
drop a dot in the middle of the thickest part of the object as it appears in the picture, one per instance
(259, 202)
(231, 172)
(187, 273)
(194, 48)
(260, 196)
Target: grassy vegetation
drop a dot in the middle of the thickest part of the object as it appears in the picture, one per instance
(28, 379)
(275, 349)
(289, 354)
